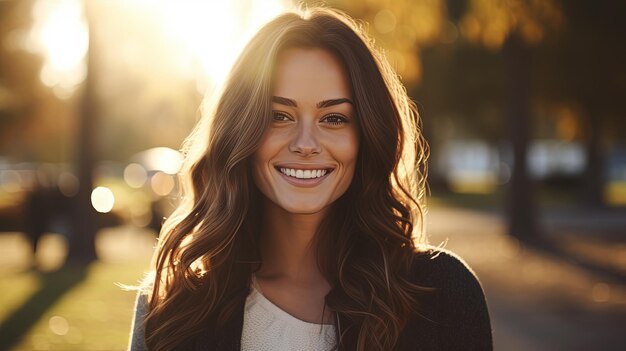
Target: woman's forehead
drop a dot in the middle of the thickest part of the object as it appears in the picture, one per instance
(309, 76)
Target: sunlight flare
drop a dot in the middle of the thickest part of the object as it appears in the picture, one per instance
(60, 34)
(203, 37)
(207, 36)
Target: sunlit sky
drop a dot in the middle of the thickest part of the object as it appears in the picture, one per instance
(206, 36)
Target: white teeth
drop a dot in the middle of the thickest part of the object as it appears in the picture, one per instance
(303, 173)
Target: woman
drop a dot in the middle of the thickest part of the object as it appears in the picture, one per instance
(300, 227)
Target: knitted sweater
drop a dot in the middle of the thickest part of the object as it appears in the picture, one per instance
(454, 316)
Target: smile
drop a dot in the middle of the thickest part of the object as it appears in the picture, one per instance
(305, 178)
(303, 173)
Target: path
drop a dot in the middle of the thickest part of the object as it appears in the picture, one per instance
(539, 301)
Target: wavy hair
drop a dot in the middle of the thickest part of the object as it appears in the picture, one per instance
(208, 248)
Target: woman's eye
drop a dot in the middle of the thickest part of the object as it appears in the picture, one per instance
(335, 120)
(280, 116)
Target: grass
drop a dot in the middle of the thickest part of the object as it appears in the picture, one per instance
(71, 309)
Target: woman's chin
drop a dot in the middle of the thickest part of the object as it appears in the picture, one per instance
(303, 208)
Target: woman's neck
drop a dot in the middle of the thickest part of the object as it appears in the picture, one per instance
(288, 245)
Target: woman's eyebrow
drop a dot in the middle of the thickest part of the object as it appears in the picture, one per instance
(333, 102)
(284, 101)
(322, 104)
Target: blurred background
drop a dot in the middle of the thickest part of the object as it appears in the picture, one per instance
(521, 100)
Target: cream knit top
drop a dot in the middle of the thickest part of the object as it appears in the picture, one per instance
(266, 327)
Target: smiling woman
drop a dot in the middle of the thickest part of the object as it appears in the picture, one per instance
(307, 156)
(301, 222)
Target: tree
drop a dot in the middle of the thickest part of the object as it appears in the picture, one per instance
(511, 27)
(585, 70)
(521, 207)
(82, 246)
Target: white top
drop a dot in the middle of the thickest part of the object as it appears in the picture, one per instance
(266, 327)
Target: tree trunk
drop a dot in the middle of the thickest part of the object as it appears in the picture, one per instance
(593, 189)
(82, 247)
(521, 208)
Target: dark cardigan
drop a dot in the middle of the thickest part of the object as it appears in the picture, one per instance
(454, 316)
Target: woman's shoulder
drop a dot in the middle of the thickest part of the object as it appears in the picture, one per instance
(137, 331)
(437, 267)
(454, 313)
(449, 279)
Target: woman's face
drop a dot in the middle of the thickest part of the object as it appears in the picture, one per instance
(308, 154)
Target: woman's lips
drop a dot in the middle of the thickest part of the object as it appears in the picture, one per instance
(304, 182)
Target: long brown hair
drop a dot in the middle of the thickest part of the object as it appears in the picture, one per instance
(208, 247)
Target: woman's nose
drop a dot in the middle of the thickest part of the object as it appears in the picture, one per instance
(305, 142)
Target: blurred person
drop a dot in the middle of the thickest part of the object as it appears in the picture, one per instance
(301, 226)
(37, 215)
(46, 208)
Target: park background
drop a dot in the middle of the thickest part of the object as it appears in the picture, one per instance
(521, 100)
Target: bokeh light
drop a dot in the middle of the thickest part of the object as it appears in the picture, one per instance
(58, 325)
(162, 184)
(161, 159)
(102, 199)
(135, 175)
(68, 184)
